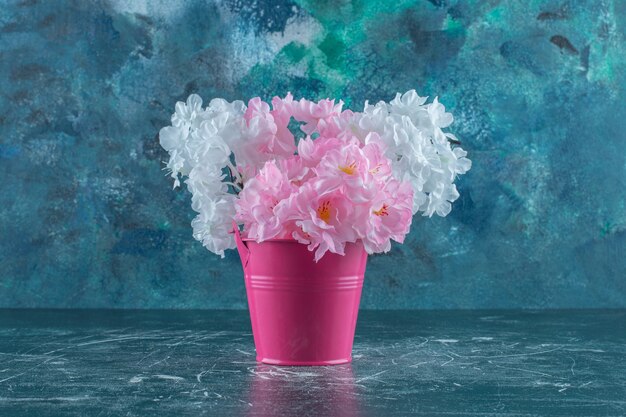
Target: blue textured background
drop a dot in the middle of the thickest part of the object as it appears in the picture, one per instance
(87, 218)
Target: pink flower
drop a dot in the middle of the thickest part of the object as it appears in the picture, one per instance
(267, 134)
(337, 125)
(312, 151)
(388, 217)
(281, 112)
(379, 166)
(322, 217)
(361, 171)
(259, 197)
(346, 167)
(314, 114)
(295, 170)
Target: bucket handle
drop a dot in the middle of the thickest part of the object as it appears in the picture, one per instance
(244, 252)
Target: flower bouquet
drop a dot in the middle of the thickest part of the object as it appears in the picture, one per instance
(315, 188)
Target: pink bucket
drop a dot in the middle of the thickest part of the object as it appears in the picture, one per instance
(302, 312)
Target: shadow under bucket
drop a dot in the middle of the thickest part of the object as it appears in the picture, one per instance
(302, 312)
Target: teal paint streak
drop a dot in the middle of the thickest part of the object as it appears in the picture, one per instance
(87, 218)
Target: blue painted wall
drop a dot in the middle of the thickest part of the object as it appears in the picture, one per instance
(538, 88)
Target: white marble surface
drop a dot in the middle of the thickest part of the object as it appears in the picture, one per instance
(132, 363)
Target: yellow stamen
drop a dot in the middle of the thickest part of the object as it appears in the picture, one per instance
(323, 211)
(383, 211)
(348, 169)
(375, 170)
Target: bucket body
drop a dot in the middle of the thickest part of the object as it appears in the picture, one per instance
(302, 312)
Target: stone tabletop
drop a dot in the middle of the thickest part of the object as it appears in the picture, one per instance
(179, 363)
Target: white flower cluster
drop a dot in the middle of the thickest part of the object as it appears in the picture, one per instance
(419, 149)
(199, 143)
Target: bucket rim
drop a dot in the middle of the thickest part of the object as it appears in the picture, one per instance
(278, 239)
(284, 240)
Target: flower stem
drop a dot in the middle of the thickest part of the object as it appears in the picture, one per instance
(233, 169)
(232, 184)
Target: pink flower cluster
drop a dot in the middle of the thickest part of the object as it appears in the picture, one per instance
(324, 192)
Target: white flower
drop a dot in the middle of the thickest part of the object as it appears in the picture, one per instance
(438, 116)
(207, 147)
(210, 227)
(199, 143)
(205, 181)
(418, 148)
(228, 119)
(186, 113)
(407, 103)
(171, 137)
